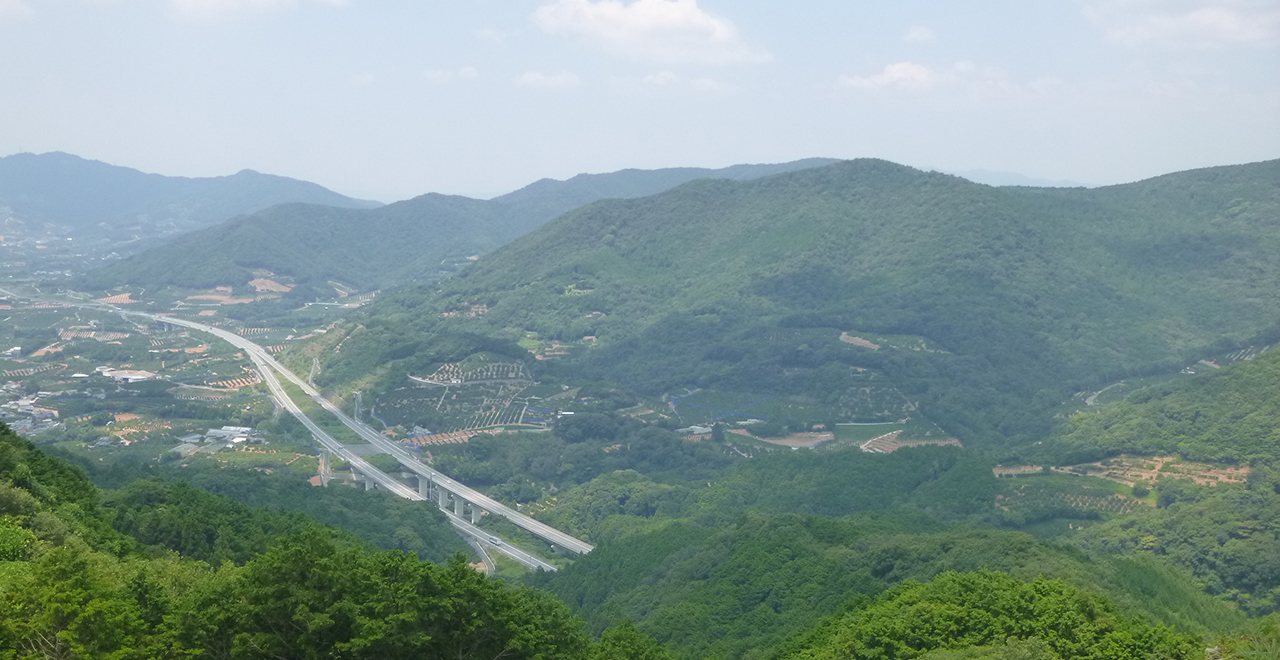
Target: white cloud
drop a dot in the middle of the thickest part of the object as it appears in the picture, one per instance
(1187, 23)
(902, 75)
(660, 79)
(219, 10)
(666, 31)
(711, 86)
(492, 36)
(13, 9)
(539, 80)
(438, 77)
(667, 83)
(962, 75)
(919, 34)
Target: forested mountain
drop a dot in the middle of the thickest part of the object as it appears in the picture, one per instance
(420, 239)
(91, 199)
(1017, 296)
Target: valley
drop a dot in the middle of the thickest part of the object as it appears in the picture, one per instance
(639, 330)
(720, 455)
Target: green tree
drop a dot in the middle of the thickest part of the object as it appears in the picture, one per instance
(623, 641)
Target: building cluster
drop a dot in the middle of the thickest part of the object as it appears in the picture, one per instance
(231, 435)
(21, 411)
(125, 375)
(215, 440)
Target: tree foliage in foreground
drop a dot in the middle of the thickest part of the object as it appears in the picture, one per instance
(71, 586)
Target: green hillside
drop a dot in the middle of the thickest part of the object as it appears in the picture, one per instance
(1228, 537)
(1014, 297)
(1228, 415)
(1042, 619)
(421, 239)
(314, 244)
(159, 570)
(743, 588)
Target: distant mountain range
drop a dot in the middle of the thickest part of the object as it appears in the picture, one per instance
(89, 199)
(1015, 295)
(420, 239)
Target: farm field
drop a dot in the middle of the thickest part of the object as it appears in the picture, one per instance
(1050, 496)
(478, 392)
(1129, 470)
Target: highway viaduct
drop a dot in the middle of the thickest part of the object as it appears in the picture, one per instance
(451, 496)
(463, 506)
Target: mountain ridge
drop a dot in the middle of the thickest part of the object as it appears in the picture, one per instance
(1029, 291)
(433, 234)
(69, 190)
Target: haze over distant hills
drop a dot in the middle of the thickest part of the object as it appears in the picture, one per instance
(422, 238)
(91, 199)
(996, 178)
(1019, 294)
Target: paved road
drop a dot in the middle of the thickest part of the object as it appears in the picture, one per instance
(478, 546)
(267, 366)
(409, 460)
(406, 457)
(485, 538)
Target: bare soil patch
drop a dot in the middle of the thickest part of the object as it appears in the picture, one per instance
(263, 284)
(801, 439)
(858, 341)
(1129, 470)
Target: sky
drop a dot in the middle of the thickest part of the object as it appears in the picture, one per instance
(389, 99)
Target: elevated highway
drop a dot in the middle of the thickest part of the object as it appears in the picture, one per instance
(432, 483)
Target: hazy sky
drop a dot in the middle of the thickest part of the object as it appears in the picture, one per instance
(388, 99)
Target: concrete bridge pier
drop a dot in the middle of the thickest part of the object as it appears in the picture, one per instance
(459, 505)
(475, 514)
(442, 498)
